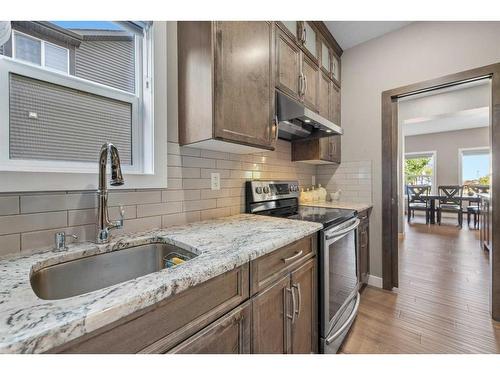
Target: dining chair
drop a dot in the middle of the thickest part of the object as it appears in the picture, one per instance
(473, 207)
(417, 200)
(450, 200)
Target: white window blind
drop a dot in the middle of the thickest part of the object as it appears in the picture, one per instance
(56, 57)
(27, 49)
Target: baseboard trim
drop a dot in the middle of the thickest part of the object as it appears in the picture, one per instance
(375, 281)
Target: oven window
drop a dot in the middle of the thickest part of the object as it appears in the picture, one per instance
(343, 278)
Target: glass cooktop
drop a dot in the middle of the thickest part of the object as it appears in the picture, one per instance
(323, 215)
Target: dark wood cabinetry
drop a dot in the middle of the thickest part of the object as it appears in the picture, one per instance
(323, 95)
(288, 60)
(228, 335)
(364, 246)
(270, 309)
(226, 93)
(271, 319)
(284, 314)
(304, 328)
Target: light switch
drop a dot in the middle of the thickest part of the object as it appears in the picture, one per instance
(313, 180)
(215, 181)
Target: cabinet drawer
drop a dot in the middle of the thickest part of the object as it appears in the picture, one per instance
(271, 267)
(161, 327)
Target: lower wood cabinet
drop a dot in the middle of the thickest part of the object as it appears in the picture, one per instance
(268, 305)
(364, 246)
(271, 319)
(228, 335)
(284, 315)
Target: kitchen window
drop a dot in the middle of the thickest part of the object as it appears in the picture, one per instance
(71, 86)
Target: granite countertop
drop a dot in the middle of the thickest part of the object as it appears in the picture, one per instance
(29, 324)
(358, 206)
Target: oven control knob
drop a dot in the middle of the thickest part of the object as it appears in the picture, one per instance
(293, 188)
(266, 189)
(258, 190)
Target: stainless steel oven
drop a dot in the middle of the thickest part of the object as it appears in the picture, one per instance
(338, 283)
(337, 260)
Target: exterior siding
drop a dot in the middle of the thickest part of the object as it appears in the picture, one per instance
(110, 63)
(69, 125)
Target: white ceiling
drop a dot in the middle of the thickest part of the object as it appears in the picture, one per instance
(466, 119)
(351, 33)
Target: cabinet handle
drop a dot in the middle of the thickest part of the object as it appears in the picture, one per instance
(294, 302)
(297, 255)
(304, 34)
(305, 84)
(301, 84)
(276, 123)
(299, 299)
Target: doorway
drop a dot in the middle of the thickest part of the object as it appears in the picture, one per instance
(392, 171)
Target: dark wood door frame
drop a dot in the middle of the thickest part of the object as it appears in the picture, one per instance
(390, 179)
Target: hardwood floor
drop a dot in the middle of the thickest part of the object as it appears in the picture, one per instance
(441, 305)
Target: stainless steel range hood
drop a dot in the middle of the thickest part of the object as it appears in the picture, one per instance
(298, 122)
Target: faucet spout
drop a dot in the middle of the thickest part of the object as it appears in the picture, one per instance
(104, 225)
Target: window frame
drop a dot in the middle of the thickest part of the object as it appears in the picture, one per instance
(471, 150)
(148, 150)
(424, 154)
(43, 44)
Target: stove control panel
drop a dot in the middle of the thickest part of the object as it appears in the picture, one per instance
(263, 190)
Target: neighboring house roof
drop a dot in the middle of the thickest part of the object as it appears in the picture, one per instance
(99, 34)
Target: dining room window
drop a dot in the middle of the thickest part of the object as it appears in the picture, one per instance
(474, 166)
(419, 168)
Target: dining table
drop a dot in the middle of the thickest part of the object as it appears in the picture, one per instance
(434, 197)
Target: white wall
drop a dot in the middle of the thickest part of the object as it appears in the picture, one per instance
(420, 51)
(446, 145)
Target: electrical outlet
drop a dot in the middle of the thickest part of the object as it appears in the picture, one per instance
(215, 181)
(313, 180)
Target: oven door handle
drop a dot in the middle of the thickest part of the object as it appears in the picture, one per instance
(343, 231)
(346, 324)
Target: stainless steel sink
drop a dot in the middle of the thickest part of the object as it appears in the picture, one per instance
(85, 275)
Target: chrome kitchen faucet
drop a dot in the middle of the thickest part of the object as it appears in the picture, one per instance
(104, 225)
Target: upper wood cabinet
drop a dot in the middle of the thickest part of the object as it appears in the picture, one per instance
(324, 93)
(292, 28)
(226, 85)
(288, 65)
(310, 83)
(309, 39)
(334, 99)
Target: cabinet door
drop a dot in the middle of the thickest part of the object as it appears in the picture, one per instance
(228, 335)
(310, 77)
(287, 65)
(364, 248)
(291, 27)
(271, 312)
(336, 142)
(304, 326)
(330, 148)
(324, 95)
(310, 40)
(244, 83)
(336, 69)
(326, 58)
(335, 104)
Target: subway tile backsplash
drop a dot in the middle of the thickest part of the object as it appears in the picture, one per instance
(354, 178)
(29, 221)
